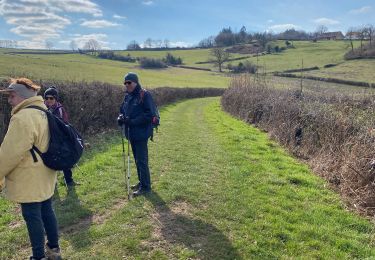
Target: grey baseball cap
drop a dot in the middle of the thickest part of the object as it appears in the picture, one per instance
(20, 89)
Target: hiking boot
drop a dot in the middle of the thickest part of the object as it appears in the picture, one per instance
(140, 192)
(53, 253)
(136, 186)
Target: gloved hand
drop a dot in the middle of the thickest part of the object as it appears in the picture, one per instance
(372, 164)
(120, 120)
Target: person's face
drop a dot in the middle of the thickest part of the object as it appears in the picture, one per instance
(130, 86)
(50, 101)
(14, 99)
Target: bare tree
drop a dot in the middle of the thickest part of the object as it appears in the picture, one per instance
(8, 44)
(362, 33)
(166, 43)
(92, 46)
(133, 45)
(49, 45)
(350, 35)
(370, 32)
(207, 43)
(219, 56)
(158, 43)
(320, 30)
(73, 45)
(148, 43)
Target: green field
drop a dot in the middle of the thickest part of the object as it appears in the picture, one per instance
(314, 86)
(319, 54)
(356, 70)
(313, 54)
(189, 57)
(76, 67)
(222, 190)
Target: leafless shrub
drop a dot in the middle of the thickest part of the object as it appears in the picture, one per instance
(94, 107)
(334, 132)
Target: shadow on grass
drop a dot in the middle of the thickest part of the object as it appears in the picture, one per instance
(180, 229)
(73, 217)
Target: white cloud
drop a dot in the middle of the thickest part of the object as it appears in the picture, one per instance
(283, 27)
(65, 42)
(172, 44)
(148, 2)
(326, 21)
(180, 44)
(81, 39)
(116, 16)
(77, 6)
(39, 20)
(32, 44)
(98, 24)
(270, 21)
(362, 10)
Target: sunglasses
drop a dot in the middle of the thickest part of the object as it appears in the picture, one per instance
(50, 98)
(127, 82)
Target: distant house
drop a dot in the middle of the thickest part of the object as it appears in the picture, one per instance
(331, 36)
(353, 36)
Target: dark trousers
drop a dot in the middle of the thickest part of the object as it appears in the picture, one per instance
(40, 217)
(140, 153)
(68, 175)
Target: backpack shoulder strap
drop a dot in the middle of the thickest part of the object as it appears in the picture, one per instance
(34, 148)
(142, 94)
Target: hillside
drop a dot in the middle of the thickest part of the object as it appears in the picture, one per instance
(78, 67)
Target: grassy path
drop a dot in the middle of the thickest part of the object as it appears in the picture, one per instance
(222, 190)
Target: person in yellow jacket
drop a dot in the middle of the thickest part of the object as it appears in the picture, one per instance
(27, 182)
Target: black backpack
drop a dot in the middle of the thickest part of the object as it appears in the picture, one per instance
(155, 121)
(65, 145)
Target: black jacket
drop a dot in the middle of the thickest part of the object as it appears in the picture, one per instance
(139, 111)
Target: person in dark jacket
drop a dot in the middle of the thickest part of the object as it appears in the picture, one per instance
(51, 97)
(135, 119)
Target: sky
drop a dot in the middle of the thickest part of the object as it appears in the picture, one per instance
(115, 23)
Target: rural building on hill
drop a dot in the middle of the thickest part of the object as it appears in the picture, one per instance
(331, 36)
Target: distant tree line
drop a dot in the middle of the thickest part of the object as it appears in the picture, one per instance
(8, 44)
(227, 37)
(151, 63)
(149, 44)
(111, 55)
(242, 67)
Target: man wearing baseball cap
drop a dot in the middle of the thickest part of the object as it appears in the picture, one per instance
(135, 117)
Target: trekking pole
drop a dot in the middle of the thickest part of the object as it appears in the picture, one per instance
(128, 174)
(66, 184)
(79, 169)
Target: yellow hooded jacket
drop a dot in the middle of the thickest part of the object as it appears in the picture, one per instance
(25, 180)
